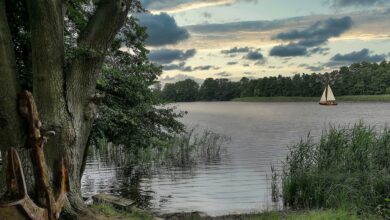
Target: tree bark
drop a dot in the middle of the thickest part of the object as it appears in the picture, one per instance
(10, 121)
(64, 99)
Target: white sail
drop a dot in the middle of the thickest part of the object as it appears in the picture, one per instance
(323, 97)
(330, 96)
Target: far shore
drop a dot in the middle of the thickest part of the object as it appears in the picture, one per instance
(357, 98)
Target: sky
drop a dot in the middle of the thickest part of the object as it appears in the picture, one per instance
(232, 39)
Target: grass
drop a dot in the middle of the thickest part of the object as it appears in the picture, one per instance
(349, 167)
(331, 214)
(112, 213)
(357, 98)
(309, 215)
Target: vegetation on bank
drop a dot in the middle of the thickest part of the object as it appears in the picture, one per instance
(111, 213)
(108, 211)
(357, 98)
(357, 79)
(347, 168)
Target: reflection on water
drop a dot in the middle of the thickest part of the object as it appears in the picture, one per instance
(260, 133)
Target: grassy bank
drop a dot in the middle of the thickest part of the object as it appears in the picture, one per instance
(347, 168)
(105, 212)
(358, 98)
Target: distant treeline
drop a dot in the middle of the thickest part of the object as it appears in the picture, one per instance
(358, 79)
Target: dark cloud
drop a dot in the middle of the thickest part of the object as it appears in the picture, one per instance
(290, 50)
(162, 29)
(319, 50)
(356, 56)
(207, 67)
(180, 66)
(348, 3)
(166, 56)
(319, 32)
(238, 26)
(254, 55)
(162, 4)
(231, 63)
(312, 68)
(314, 35)
(236, 50)
(223, 74)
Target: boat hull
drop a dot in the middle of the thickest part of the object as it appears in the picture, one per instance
(328, 103)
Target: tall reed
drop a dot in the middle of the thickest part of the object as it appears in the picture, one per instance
(348, 167)
(191, 148)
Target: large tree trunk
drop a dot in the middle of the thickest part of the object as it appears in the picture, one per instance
(65, 99)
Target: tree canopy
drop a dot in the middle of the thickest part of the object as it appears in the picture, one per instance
(358, 79)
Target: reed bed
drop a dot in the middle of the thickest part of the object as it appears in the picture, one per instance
(349, 167)
(191, 148)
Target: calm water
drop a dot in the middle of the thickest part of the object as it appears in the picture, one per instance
(260, 133)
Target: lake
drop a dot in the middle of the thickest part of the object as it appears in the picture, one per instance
(240, 181)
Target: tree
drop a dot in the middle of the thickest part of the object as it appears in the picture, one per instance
(208, 89)
(186, 91)
(60, 48)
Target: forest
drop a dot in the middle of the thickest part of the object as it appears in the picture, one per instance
(358, 79)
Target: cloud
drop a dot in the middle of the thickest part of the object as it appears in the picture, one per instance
(319, 32)
(254, 55)
(223, 74)
(235, 50)
(289, 50)
(162, 29)
(237, 26)
(314, 35)
(248, 73)
(179, 77)
(319, 50)
(166, 56)
(181, 66)
(184, 5)
(368, 25)
(348, 3)
(312, 68)
(231, 63)
(207, 15)
(354, 57)
(207, 67)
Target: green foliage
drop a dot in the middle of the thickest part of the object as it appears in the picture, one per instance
(358, 79)
(112, 213)
(309, 215)
(183, 91)
(347, 167)
(131, 113)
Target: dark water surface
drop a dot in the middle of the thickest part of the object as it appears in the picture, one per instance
(260, 133)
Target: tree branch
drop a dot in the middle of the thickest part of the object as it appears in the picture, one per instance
(93, 43)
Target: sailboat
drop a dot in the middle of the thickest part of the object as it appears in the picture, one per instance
(327, 97)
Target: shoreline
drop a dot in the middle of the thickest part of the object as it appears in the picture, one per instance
(358, 98)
